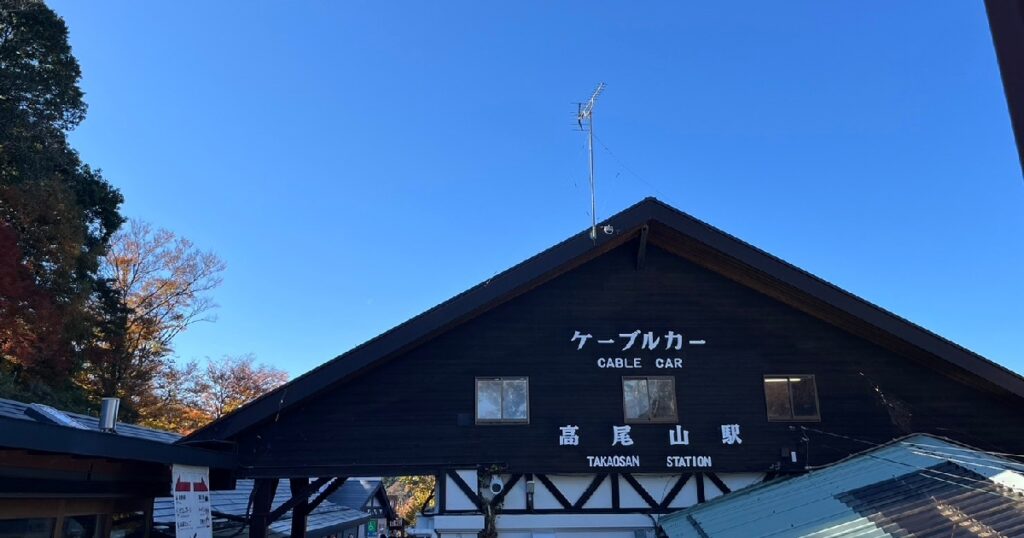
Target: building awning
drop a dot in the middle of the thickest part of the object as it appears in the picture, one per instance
(231, 508)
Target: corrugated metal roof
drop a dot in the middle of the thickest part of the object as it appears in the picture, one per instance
(916, 486)
(355, 492)
(327, 517)
(18, 410)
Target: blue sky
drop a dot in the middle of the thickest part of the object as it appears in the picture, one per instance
(356, 163)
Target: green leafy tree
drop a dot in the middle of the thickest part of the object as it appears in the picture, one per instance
(60, 210)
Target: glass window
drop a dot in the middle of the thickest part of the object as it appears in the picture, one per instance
(81, 527)
(649, 399)
(27, 528)
(791, 397)
(503, 400)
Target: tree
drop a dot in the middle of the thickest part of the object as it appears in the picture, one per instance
(61, 211)
(234, 381)
(412, 492)
(189, 396)
(161, 282)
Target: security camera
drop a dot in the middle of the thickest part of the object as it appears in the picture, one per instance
(608, 229)
(496, 485)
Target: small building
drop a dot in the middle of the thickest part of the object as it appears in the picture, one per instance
(367, 494)
(616, 378)
(230, 508)
(918, 485)
(65, 475)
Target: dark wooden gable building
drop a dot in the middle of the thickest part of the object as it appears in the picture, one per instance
(603, 382)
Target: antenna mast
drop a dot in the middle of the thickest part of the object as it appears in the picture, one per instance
(585, 118)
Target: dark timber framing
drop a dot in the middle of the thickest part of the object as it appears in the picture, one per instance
(671, 495)
(589, 492)
(1006, 21)
(699, 242)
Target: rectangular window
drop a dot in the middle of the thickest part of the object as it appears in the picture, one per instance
(502, 400)
(791, 397)
(649, 399)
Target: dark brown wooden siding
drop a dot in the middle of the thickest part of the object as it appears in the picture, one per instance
(404, 415)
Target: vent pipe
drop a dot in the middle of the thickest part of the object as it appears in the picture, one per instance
(108, 414)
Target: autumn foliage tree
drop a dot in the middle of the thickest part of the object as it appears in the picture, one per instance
(162, 284)
(58, 211)
(413, 493)
(190, 396)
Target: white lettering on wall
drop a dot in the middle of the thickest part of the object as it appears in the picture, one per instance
(688, 461)
(647, 340)
(731, 434)
(678, 436)
(613, 461)
(569, 436)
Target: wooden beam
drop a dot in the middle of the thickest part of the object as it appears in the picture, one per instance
(441, 488)
(641, 253)
(589, 492)
(300, 490)
(615, 490)
(263, 491)
(1006, 22)
(700, 488)
(671, 495)
(718, 483)
(505, 489)
(639, 488)
(554, 491)
(468, 491)
(331, 488)
(296, 498)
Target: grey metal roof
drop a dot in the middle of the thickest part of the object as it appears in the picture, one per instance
(917, 486)
(355, 492)
(325, 519)
(18, 410)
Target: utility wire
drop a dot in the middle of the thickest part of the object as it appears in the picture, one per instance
(627, 168)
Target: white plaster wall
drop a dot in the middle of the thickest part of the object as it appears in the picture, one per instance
(515, 499)
(572, 486)
(657, 485)
(602, 497)
(455, 499)
(737, 481)
(628, 497)
(687, 496)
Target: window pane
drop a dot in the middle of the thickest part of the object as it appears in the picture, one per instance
(516, 401)
(81, 526)
(663, 398)
(488, 399)
(805, 400)
(26, 528)
(776, 395)
(636, 399)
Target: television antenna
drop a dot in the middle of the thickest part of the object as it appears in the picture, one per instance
(585, 118)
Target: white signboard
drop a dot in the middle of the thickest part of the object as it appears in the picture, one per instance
(191, 487)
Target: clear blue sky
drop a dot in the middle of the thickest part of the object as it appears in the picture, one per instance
(356, 163)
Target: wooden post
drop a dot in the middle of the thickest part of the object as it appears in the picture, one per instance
(147, 517)
(262, 501)
(299, 486)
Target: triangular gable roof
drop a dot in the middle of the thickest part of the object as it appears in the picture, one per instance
(660, 223)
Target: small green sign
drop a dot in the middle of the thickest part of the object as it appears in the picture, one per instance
(371, 526)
